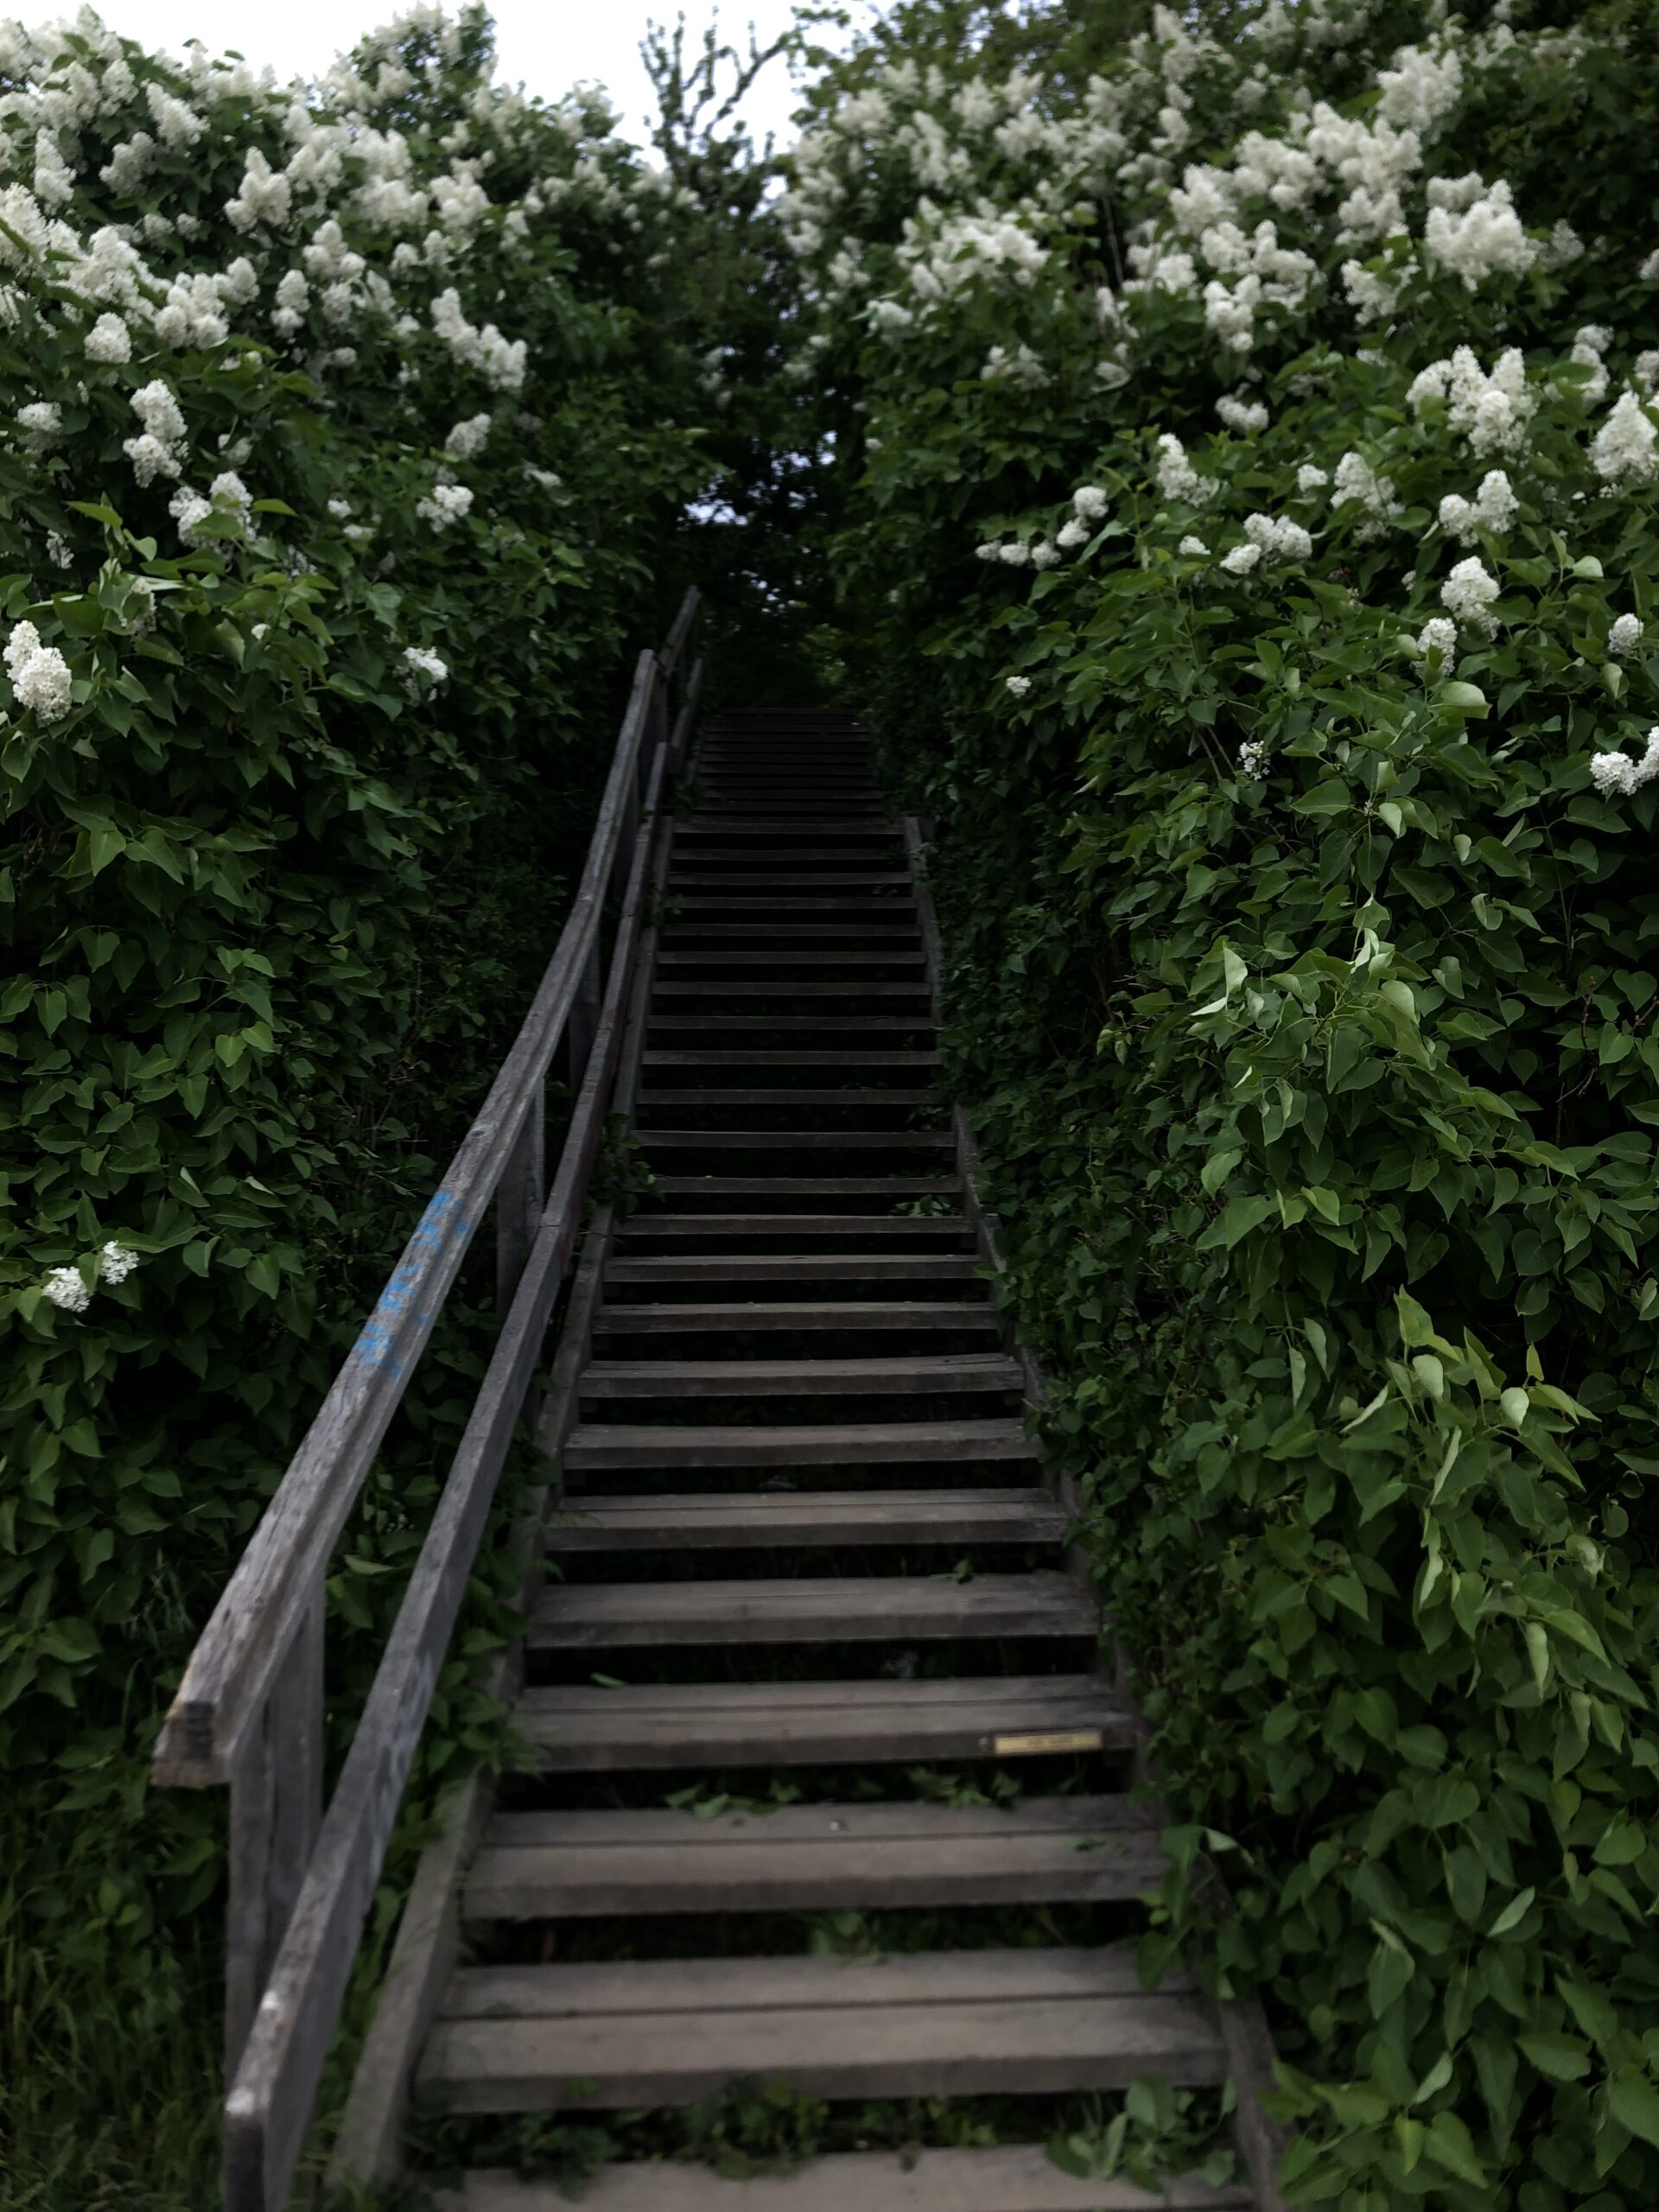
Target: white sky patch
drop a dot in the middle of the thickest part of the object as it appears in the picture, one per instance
(545, 45)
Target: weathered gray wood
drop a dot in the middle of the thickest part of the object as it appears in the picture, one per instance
(797, 1444)
(797, 1266)
(708, 1226)
(721, 1098)
(899, 1188)
(275, 1810)
(744, 988)
(679, 636)
(368, 2145)
(846, 1313)
(769, 956)
(584, 1013)
(696, 879)
(939, 2023)
(1261, 2140)
(1007, 2178)
(269, 2103)
(519, 1198)
(544, 1866)
(755, 1379)
(797, 1140)
(253, 1627)
(847, 1059)
(724, 1521)
(813, 1609)
(576, 1729)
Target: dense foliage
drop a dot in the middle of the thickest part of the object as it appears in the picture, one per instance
(350, 427)
(1247, 465)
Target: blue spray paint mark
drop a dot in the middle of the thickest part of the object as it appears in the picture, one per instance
(439, 1223)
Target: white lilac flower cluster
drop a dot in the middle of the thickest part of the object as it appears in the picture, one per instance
(1469, 594)
(446, 505)
(1361, 180)
(420, 661)
(1617, 776)
(66, 1287)
(1268, 538)
(349, 223)
(1493, 508)
(40, 675)
(1625, 636)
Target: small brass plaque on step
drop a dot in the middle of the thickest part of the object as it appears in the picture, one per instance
(1047, 1739)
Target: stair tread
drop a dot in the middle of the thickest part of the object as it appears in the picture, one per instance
(582, 1729)
(667, 2031)
(726, 1096)
(625, 1378)
(722, 1519)
(650, 1444)
(1005, 2177)
(813, 1224)
(773, 1267)
(657, 1057)
(539, 1866)
(817, 1608)
(803, 1139)
(846, 1313)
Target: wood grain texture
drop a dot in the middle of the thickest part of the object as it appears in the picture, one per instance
(917, 1375)
(1025, 2022)
(596, 1444)
(811, 1609)
(723, 1521)
(1010, 2178)
(581, 1730)
(849, 1314)
(541, 1866)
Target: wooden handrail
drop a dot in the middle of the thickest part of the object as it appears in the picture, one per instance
(249, 1710)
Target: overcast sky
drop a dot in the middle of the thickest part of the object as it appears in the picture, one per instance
(546, 45)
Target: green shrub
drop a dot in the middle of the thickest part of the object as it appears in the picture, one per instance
(320, 592)
(1303, 961)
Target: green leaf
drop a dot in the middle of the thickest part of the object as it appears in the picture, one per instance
(1564, 2058)
(1634, 2103)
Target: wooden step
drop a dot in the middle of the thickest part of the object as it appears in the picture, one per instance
(932, 2023)
(657, 1058)
(750, 1520)
(867, 880)
(916, 1376)
(810, 1609)
(767, 957)
(651, 1139)
(797, 1267)
(896, 1187)
(850, 1314)
(742, 988)
(711, 1226)
(1004, 2177)
(596, 1444)
(728, 1095)
(579, 1729)
(800, 1857)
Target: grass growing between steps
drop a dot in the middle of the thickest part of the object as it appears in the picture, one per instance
(1150, 2132)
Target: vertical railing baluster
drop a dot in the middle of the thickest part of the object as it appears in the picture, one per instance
(520, 1197)
(275, 1812)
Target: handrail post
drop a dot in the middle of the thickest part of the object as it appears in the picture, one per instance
(274, 1814)
(584, 1020)
(520, 1196)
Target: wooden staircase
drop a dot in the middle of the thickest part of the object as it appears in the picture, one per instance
(802, 1531)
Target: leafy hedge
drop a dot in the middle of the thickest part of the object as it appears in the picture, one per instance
(318, 587)
(1280, 673)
